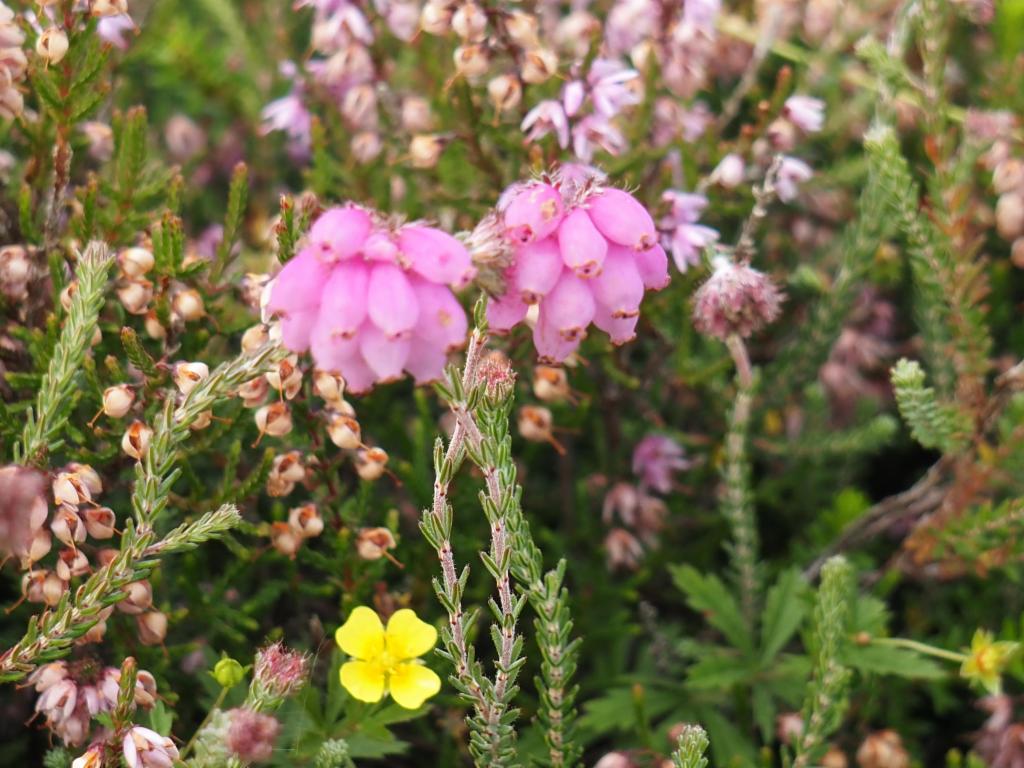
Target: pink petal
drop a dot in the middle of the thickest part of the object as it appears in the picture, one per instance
(359, 377)
(380, 247)
(532, 213)
(345, 298)
(583, 248)
(339, 233)
(620, 329)
(386, 355)
(331, 349)
(569, 307)
(296, 329)
(619, 288)
(653, 267)
(622, 219)
(390, 300)
(299, 285)
(538, 267)
(505, 311)
(442, 321)
(551, 345)
(436, 255)
(426, 361)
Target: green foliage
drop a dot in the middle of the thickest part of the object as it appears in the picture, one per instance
(936, 425)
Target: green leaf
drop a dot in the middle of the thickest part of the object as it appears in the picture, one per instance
(785, 608)
(160, 718)
(883, 660)
(709, 596)
(719, 671)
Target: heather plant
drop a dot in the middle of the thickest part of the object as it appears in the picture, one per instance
(617, 383)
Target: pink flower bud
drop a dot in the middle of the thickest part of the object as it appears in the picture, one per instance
(619, 288)
(582, 246)
(532, 213)
(100, 522)
(339, 233)
(620, 218)
(569, 307)
(139, 598)
(735, 299)
(537, 269)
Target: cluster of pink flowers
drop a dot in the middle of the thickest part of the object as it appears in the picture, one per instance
(372, 299)
(591, 102)
(70, 697)
(582, 252)
(280, 672)
(736, 299)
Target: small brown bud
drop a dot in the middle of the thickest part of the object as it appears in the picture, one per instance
(286, 377)
(154, 329)
(68, 527)
(1010, 215)
(274, 419)
(436, 17)
(471, 60)
(152, 627)
(254, 338)
(470, 22)
(67, 293)
(330, 387)
(550, 385)
(521, 28)
(254, 392)
(135, 296)
(373, 543)
(188, 305)
(883, 749)
(139, 598)
(71, 563)
(285, 539)
(188, 375)
(370, 463)
(425, 150)
(100, 522)
(344, 431)
(306, 521)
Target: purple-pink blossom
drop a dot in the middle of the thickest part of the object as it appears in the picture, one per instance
(547, 117)
(805, 112)
(683, 236)
(583, 253)
(373, 300)
(792, 173)
(656, 459)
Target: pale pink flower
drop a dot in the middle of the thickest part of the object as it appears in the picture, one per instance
(792, 173)
(289, 114)
(116, 29)
(656, 459)
(805, 112)
(596, 132)
(683, 236)
(144, 748)
(547, 117)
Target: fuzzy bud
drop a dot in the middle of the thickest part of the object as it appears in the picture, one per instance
(136, 440)
(279, 671)
(52, 45)
(251, 735)
(735, 299)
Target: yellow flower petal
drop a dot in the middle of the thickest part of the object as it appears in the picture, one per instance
(364, 680)
(412, 684)
(362, 636)
(408, 636)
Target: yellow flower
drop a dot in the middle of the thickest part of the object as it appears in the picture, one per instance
(986, 660)
(385, 660)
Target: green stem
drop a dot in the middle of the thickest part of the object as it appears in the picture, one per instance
(914, 645)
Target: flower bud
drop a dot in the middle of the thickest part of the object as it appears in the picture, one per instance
(188, 305)
(521, 27)
(436, 17)
(152, 627)
(254, 392)
(254, 338)
(373, 543)
(102, 8)
(425, 150)
(67, 293)
(1008, 176)
(136, 440)
(306, 521)
(117, 400)
(285, 539)
(470, 22)
(539, 65)
(416, 115)
(135, 296)
(286, 377)
(505, 92)
(202, 421)
(834, 758)
(550, 385)
(370, 463)
(1010, 215)
(71, 563)
(100, 522)
(15, 266)
(344, 431)
(359, 106)
(139, 598)
(52, 45)
(38, 547)
(883, 749)
(135, 262)
(535, 424)
(330, 387)
(472, 60)
(622, 549)
(68, 527)
(53, 588)
(68, 489)
(154, 329)
(143, 748)
(185, 140)
(274, 420)
(228, 673)
(188, 375)
(366, 147)
(100, 138)
(729, 172)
